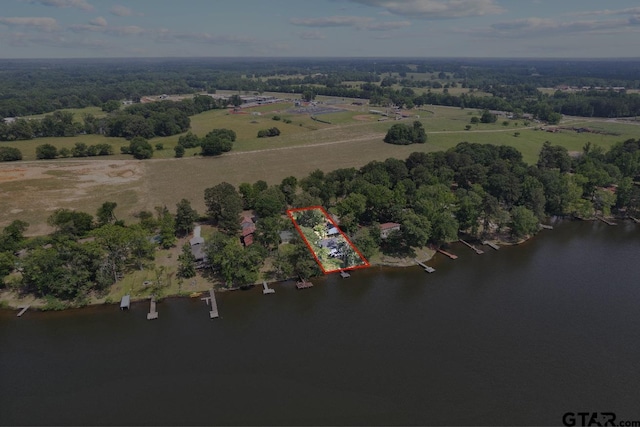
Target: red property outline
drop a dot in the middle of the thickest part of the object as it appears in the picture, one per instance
(327, 216)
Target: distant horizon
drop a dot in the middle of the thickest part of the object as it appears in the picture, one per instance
(549, 29)
(316, 58)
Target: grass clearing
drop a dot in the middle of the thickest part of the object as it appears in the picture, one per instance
(31, 190)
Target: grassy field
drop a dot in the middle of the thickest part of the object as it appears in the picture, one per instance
(31, 190)
(78, 113)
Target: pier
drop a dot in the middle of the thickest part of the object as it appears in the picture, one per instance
(214, 306)
(545, 226)
(473, 248)
(426, 267)
(23, 309)
(636, 220)
(125, 302)
(450, 255)
(153, 313)
(344, 274)
(267, 289)
(606, 221)
(303, 284)
(490, 244)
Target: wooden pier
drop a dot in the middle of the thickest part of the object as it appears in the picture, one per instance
(491, 244)
(22, 310)
(153, 313)
(473, 248)
(344, 274)
(267, 289)
(450, 255)
(214, 306)
(303, 284)
(426, 267)
(545, 226)
(606, 221)
(636, 220)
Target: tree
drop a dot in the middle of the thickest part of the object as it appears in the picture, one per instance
(270, 202)
(402, 134)
(179, 150)
(217, 141)
(416, 229)
(111, 106)
(13, 236)
(167, 229)
(71, 223)
(268, 231)
(46, 151)
(10, 154)
(187, 263)
(224, 205)
(185, 217)
(488, 117)
(79, 150)
(552, 157)
(523, 222)
(288, 186)
(474, 120)
(140, 148)
(105, 213)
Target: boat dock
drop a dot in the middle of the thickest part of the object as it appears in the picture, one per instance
(153, 313)
(267, 289)
(606, 221)
(450, 255)
(636, 220)
(125, 302)
(426, 267)
(214, 306)
(303, 284)
(473, 248)
(491, 244)
(344, 274)
(23, 309)
(545, 226)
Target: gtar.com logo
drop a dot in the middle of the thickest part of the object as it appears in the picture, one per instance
(572, 419)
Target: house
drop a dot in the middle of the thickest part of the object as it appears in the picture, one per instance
(332, 231)
(387, 228)
(248, 229)
(197, 245)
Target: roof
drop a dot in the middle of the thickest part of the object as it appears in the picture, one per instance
(196, 231)
(333, 230)
(196, 241)
(248, 240)
(126, 300)
(248, 230)
(197, 252)
(389, 225)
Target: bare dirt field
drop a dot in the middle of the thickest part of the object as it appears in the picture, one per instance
(30, 191)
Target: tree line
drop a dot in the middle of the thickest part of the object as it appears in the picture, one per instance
(472, 188)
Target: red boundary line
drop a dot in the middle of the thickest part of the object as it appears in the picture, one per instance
(326, 214)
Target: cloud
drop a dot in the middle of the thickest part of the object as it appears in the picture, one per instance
(332, 21)
(545, 26)
(358, 22)
(99, 21)
(39, 24)
(436, 9)
(79, 4)
(311, 35)
(119, 10)
(629, 11)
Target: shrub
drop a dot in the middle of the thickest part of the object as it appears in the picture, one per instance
(179, 149)
(10, 154)
(159, 146)
(402, 134)
(268, 133)
(140, 148)
(46, 151)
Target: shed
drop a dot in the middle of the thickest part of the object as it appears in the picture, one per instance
(125, 303)
(387, 228)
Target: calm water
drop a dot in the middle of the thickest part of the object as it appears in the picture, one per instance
(518, 336)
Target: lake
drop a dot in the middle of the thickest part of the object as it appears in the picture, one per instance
(517, 336)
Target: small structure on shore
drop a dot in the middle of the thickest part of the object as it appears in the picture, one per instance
(426, 267)
(153, 313)
(450, 255)
(545, 227)
(22, 310)
(387, 228)
(125, 302)
(213, 313)
(267, 289)
(491, 244)
(303, 284)
(473, 248)
(344, 274)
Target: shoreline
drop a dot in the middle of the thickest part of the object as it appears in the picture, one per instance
(15, 302)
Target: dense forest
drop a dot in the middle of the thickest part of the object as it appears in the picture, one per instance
(36, 86)
(473, 189)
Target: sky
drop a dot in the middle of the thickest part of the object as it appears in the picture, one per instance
(319, 28)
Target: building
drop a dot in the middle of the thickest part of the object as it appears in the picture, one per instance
(387, 228)
(248, 229)
(197, 245)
